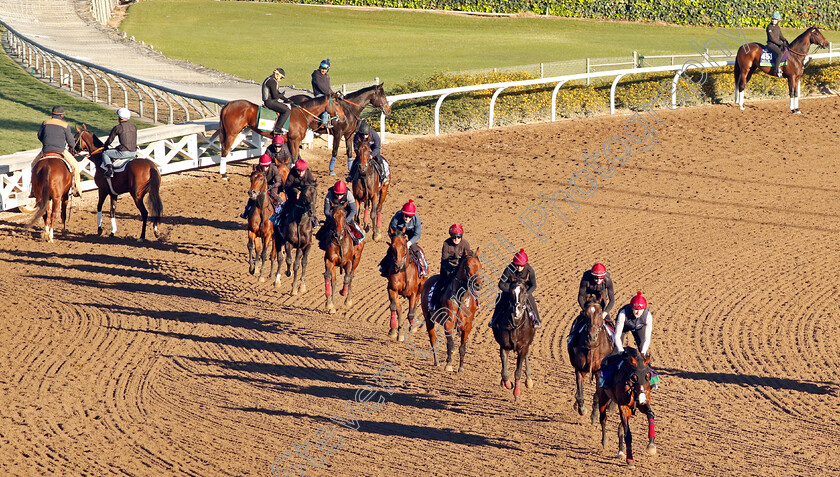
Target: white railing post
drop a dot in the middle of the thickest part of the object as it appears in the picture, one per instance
(493, 104)
(612, 93)
(437, 113)
(554, 101)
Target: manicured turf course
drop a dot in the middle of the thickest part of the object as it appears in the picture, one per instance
(25, 102)
(250, 39)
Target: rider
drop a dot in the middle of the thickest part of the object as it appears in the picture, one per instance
(520, 270)
(274, 99)
(279, 151)
(127, 132)
(775, 42)
(598, 282)
(366, 134)
(274, 181)
(636, 318)
(337, 196)
(55, 134)
(407, 221)
(299, 178)
(450, 255)
(321, 86)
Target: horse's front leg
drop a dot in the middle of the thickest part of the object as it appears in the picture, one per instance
(625, 437)
(266, 253)
(596, 376)
(377, 211)
(64, 217)
(580, 377)
(517, 376)
(304, 259)
(603, 404)
(651, 447)
(102, 197)
(252, 256)
(505, 377)
(113, 216)
(144, 214)
(329, 279)
(449, 330)
(289, 250)
(394, 306)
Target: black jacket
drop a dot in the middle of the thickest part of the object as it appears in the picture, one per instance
(588, 287)
(271, 90)
(511, 275)
(321, 83)
(374, 141)
(127, 132)
(55, 134)
(774, 35)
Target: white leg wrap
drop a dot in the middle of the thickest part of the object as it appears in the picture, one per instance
(99, 219)
(792, 104)
(113, 225)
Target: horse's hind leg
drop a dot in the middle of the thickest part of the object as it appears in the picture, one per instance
(517, 376)
(529, 383)
(603, 404)
(266, 243)
(144, 215)
(102, 197)
(304, 259)
(288, 259)
(625, 437)
(113, 216)
(63, 217)
(592, 418)
(580, 376)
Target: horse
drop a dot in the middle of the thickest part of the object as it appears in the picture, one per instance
(748, 58)
(238, 114)
(515, 332)
(353, 104)
(403, 280)
(260, 229)
(341, 253)
(296, 232)
(586, 351)
(140, 177)
(457, 307)
(369, 190)
(629, 388)
(51, 182)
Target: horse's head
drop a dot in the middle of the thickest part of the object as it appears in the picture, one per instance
(469, 268)
(399, 249)
(307, 195)
(84, 140)
(363, 157)
(592, 310)
(639, 374)
(339, 216)
(380, 99)
(519, 292)
(816, 37)
(258, 183)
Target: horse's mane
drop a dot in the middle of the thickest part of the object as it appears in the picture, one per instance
(803, 34)
(360, 92)
(316, 101)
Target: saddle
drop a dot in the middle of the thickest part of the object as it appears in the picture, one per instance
(267, 118)
(767, 58)
(118, 164)
(57, 155)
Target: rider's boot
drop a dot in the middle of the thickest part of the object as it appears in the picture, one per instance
(109, 170)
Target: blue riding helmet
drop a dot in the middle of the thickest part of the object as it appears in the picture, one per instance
(325, 63)
(776, 16)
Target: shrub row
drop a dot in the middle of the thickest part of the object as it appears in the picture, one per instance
(575, 99)
(795, 13)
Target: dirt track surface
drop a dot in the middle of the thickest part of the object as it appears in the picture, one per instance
(167, 358)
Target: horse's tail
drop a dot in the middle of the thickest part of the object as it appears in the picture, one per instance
(153, 188)
(222, 132)
(43, 200)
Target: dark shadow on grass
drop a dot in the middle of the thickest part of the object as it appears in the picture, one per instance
(16, 125)
(822, 387)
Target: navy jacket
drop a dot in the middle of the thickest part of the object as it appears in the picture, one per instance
(412, 228)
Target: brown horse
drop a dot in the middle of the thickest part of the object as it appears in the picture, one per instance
(457, 307)
(341, 253)
(260, 229)
(239, 114)
(51, 181)
(514, 331)
(586, 349)
(403, 280)
(748, 58)
(140, 177)
(353, 104)
(296, 233)
(369, 190)
(629, 388)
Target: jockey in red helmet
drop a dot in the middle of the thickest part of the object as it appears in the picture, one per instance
(299, 179)
(274, 181)
(598, 283)
(516, 271)
(279, 151)
(407, 221)
(636, 318)
(455, 247)
(339, 196)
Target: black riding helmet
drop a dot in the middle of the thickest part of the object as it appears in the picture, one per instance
(281, 71)
(364, 127)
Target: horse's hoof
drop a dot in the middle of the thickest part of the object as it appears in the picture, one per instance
(631, 464)
(400, 337)
(294, 292)
(99, 231)
(343, 292)
(507, 384)
(581, 410)
(742, 107)
(797, 111)
(516, 391)
(303, 288)
(651, 450)
(449, 368)
(262, 279)
(593, 420)
(348, 303)
(140, 240)
(288, 273)
(621, 455)
(331, 309)
(529, 383)
(393, 334)
(277, 284)
(111, 235)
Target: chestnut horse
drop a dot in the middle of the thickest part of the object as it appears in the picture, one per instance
(748, 58)
(586, 350)
(369, 190)
(629, 388)
(239, 114)
(457, 307)
(51, 181)
(343, 254)
(260, 229)
(514, 331)
(140, 177)
(296, 232)
(403, 280)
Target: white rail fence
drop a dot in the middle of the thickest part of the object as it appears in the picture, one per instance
(101, 9)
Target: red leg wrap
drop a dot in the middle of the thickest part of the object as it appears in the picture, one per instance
(393, 319)
(328, 287)
(651, 429)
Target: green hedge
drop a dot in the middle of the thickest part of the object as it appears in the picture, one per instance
(795, 13)
(575, 99)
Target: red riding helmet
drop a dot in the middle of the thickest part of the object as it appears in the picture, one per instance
(521, 258)
(638, 302)
(340, 187)
(599, 271)
(265, 160)
(408, 208)
(301, 165)
(278, 140)
(456, 229)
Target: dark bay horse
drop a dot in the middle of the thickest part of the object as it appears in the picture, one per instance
(457, 308)
(341, 253)
(353, 104)
(140, 177)
(51, 181)
(239, 114)
(514, 331)
(748, 58)
(296, 233)
(629, 388)
(260, 229)
(403, 280)
(369, 190)
(586, 350)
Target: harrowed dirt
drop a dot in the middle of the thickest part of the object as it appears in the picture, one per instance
(168, 358)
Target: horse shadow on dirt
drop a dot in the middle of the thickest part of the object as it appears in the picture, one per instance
(156, 289)
(820, 388)
(118, 271)
(186, 316)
